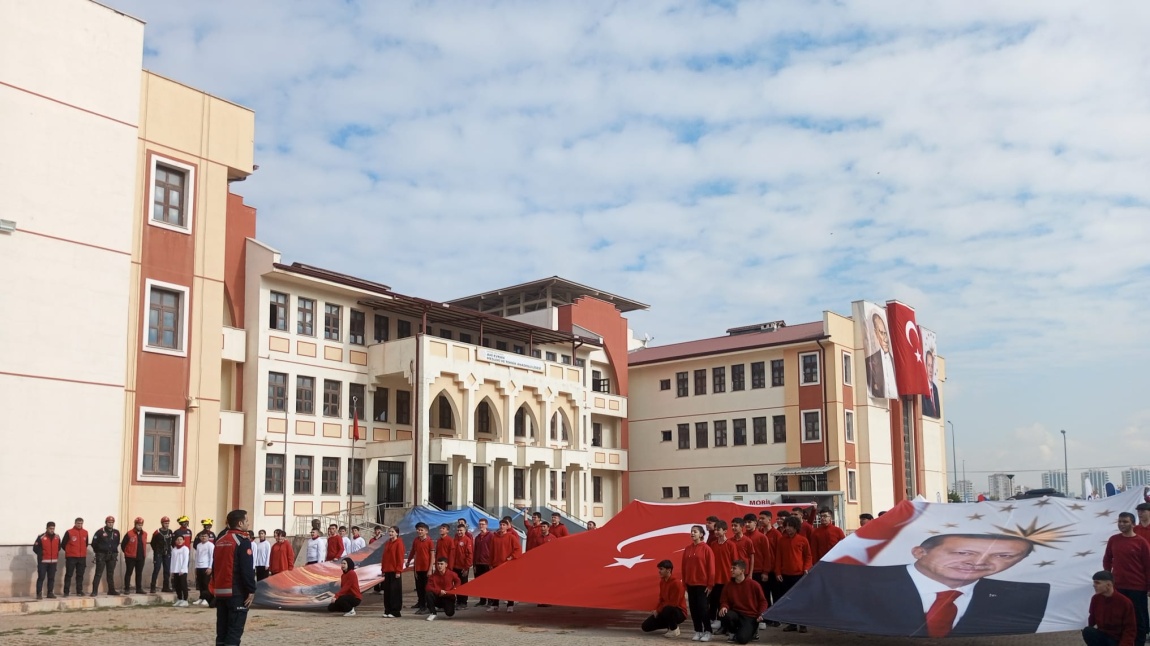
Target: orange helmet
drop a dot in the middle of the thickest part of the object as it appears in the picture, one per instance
(138, 521)
(110, 519)
(165, 519)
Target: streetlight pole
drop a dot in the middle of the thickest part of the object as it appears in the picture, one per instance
(954, 456)
(965, 498)
(1065, 463)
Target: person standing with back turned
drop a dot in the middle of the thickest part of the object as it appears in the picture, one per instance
(233, 579)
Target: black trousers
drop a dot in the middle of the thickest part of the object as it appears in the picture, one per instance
(130, 566)
(392, 594)
(420, 589)
(231, 617)
(434, 602)
(105, 562)
(344, 603)
(204, 583)
(1095, 637)
(1138, 598)
(784, 586)
(180, 583)
(668, 618)
(740, 627)
(480, 570)
(162, 562)
(462, 574)
(697, 604)
(765, 581)
(262, 573)
(713, 604)
(75, 565)
(48, 571)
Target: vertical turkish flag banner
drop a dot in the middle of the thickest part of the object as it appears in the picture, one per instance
(906, 345)
(354, 423)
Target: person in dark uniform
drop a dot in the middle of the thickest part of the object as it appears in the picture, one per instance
(135, 548)
(106, 545)
(162, 540)
(233, 579)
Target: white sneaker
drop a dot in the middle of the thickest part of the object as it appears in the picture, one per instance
(431, 617)
(176, 603)
(510, 608)
(715, 625)
(389, 616)
(697, 637)
(762, 625)
(349, 613)
(671, 633)
(203, 602)
(706, 637)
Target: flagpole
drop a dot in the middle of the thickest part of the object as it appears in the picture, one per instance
(351, 461)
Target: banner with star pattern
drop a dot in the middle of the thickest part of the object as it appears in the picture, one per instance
(1021, 566)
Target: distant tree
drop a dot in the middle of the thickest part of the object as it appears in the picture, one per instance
(952, 496)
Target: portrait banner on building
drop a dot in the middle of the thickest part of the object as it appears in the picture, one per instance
(871, 324)
(951, 570)
(906, 346)
(931, 404)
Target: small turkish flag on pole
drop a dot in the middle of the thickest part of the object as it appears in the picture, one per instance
(906, 345)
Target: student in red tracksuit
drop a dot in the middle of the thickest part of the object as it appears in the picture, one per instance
(763, 556)
(792, 560)
(1127, 557)
(534, 530)
(671, 609)
(726, 552)
(334, 544)
(482, 554)
(698, 571)
(545, 535)
(768, 529)
(741, 540)
(441, 587)
(462, 559)
(445, 546)
(282, 557)
(742, 604)
(349, 595)
(423, 555)
(391, 565)
(47, 551)
(807, 529)
(505, 547)
(825, 536)
(558, 529)
(1111, 621)
(75, 546)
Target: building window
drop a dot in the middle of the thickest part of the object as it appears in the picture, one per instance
(521, 422)
(444, 333)
(331, 316)
(848, 369)
(379, 405)
(758, 375)
(564, 359)
(465, 338)
(483, 418)
(446, 419)
(741, 488)
(701, 432)
(274, 473)
(596, 434)
(559, 431)
(172, 197)
(355, 476)
(813, 483)
(277, 312)
(520, 485)
(380, 330)
(762, 482)
(849, 425)
(502, 345)
(303, 465)
(329, 477)
(719, 379)
(167, 318)
(403, 407)
(684, 492)
(701, 381)
(781, 483)
(597, 489)
(277, 391)
(666, 435)
(664, 384)
(305, 316)
(403, 329)
(684, 436)
(305, 395)
(779, 422)
(518, 349)
(777, 373)
(812, 426)
(356, 401)
(668, 492)
(358, 328)
(738, 377)
(553, 493)
(739, 426)
(809, 363)
(550, 356)
(681, 384)
(720, 432)
(331, 397)
(160, 446)
(580, 362)
(852, 485)
(759, 428)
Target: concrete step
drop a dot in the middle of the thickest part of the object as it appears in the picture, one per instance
(29, 606)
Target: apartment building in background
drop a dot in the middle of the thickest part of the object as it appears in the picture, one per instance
(1000, 486)
(1135, 477)
(114, 190)
(1055, 480)
(776, 412)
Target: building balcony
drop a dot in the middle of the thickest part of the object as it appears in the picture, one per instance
(386, 450)
(444, 449)
(235, 345)
(231, 428)
(608, 459)
(391, 358)
(489, 452)
(601, 403)
(529, 455)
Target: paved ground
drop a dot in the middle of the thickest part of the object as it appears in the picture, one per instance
(527, 625)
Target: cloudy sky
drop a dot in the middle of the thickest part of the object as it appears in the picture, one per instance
(985, 162)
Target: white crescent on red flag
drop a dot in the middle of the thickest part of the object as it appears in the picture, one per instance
(906, 346)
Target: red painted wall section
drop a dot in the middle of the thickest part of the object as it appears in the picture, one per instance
(811, 454)
(241, 226)
(604, 319)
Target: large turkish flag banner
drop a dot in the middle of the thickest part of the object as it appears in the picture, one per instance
(610, 567)
(906, 345)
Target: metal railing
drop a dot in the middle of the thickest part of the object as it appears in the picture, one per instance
(367, 517)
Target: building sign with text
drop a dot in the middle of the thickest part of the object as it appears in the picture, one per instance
(510, 359)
